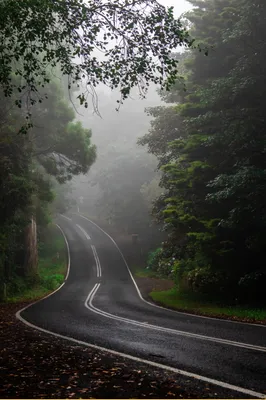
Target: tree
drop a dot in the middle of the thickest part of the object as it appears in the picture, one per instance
(56, 147)
(213, 162)
(135, 39)
(61, 144)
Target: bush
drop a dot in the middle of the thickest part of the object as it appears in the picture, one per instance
(162, 265)
(53, 281)
(252, 287)
(153, 259)
(16, 285)
(207, 282)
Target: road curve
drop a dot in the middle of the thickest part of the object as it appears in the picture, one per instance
(100, 304)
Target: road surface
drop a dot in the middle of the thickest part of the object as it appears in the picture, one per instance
(100, 304)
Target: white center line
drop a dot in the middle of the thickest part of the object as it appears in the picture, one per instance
(125, 355)
(64, 216)
(92, 308)
(83, 230)
(98, 264)
(89, 305)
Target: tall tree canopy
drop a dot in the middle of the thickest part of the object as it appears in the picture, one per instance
(134, 40)
(56, 148)
(211, 146)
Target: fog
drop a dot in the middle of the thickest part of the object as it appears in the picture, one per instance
(182, 168)
(115, 200)
(116, 188)
(124, 181)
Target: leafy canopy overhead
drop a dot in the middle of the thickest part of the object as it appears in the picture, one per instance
(135, 37)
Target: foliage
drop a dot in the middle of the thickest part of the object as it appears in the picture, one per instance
(52, 268)
(210, 146)
(150, 191)
(193, 303)
(57, 148)
(134, 37)
(153, 256)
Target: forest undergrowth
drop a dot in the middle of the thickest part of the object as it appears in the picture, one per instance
(52, 266)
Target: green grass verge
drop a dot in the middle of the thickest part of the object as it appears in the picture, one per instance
(52, 266)
(183, 302)
(145, 273)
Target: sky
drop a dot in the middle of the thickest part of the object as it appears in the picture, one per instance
(180, 6)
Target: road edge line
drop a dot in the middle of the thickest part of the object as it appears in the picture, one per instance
(158, 328)
(56, 290)
(124, 355)
(156, 305)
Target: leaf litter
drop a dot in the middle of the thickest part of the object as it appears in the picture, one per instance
(36, 365)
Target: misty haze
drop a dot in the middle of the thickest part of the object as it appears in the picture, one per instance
(133, 206)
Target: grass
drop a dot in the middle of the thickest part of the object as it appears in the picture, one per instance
(141, 272)
(52, 267)
(190, 303)
(184, 302)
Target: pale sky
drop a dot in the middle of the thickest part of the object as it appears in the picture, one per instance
(180, 6)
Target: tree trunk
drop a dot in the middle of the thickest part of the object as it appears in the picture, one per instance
(31, 251)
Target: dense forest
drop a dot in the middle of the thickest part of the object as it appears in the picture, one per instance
(54, 54)
(194, 162)
(132, 199)
(210, 145)
(32, 167)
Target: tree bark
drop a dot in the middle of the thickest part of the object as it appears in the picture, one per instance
(31, 251)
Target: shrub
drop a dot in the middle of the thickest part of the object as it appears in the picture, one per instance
(206, 281)
(153, 259)
(252, 287)
(53, 281)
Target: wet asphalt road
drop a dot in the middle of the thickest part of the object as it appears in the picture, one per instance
(100, 304)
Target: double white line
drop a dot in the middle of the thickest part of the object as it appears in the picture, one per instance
(88, 304)
(64, 216)
(85, 233)
(98, 264)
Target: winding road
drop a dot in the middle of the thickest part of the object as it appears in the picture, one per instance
(100, 305)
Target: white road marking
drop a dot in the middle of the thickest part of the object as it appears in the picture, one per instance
(178, 371)
(98, 264)
(98, 261)
(64, 216)
(96, 310)
(68, 256)
(160, 328)
(155, 305)
(83, 231)
(127, 356)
